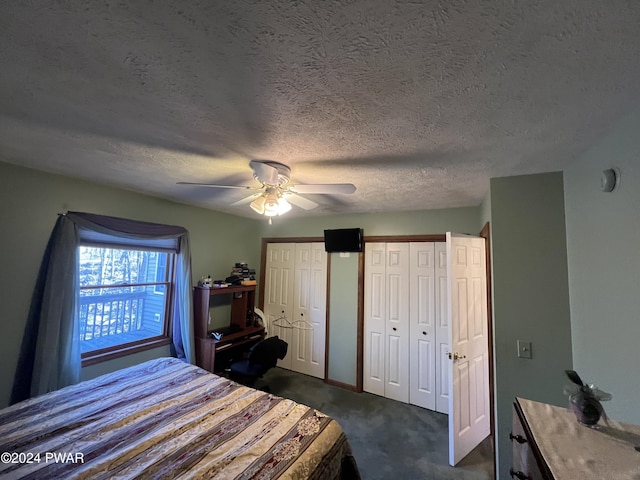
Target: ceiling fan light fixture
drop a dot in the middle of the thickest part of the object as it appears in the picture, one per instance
(270, 204)
(258, 205)
(276, 205)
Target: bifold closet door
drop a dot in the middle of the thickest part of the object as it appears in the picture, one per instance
(406, 330)
(423, 344)
(307, 348)
(295, 303)
(386, 346)
(397, 322)
(278, 292)
(375, 305)
(429, 382)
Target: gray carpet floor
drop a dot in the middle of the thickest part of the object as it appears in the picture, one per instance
(390, 440)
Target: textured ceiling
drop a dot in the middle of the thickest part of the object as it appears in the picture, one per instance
(416, 103)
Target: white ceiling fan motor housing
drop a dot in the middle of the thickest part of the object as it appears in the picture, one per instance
(284, 173)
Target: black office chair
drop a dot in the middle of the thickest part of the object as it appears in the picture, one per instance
(262, 356)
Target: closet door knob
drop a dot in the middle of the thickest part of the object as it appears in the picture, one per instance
(394, 329)
(424, 333)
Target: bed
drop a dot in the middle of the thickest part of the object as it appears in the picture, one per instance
(167, 419)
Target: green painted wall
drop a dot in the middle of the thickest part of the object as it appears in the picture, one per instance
(343, 315)
(485, 211)
(603, 230)
(461, 220)
(530, 296)
(30, 203)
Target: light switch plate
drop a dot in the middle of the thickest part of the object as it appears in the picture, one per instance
(524, 349)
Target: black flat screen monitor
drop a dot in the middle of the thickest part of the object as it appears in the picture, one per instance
(343, 240)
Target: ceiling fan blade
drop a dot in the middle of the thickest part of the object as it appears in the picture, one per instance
(213, 185)
(246, 200)
(265, 172)
(299, 201)
(342, 188)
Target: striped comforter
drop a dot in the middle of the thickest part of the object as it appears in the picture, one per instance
(167, 419)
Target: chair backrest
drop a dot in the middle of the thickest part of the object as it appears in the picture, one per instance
(267, 352)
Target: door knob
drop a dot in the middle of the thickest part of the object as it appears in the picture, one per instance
(455, 356)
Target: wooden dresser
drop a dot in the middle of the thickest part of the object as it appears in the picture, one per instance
(550, 444)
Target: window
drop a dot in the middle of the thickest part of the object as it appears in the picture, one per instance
(83, 314)
(124, 299)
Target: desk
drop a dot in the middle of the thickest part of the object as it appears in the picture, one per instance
(211, 354)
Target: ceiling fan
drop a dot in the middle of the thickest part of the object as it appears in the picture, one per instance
(275, 195)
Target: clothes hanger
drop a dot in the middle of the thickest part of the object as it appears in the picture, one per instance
(284, 322)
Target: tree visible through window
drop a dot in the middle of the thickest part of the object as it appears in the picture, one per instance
(124, 297)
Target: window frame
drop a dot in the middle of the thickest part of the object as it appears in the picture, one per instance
(94, 357)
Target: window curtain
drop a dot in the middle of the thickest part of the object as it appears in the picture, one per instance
(50, 354)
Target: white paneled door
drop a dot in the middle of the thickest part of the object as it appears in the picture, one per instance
(375, 306)
(397, 322)
(399, 311)
(422, 339)
(469, 414)
(295, 303)
(442, 328)
(309, 313)
(278, 292)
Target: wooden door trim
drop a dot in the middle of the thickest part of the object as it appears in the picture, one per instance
(486, 234)
(406, 238)
(261, 284)
(360, 325)
(326, 319)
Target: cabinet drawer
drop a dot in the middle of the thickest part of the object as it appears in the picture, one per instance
(524, 464)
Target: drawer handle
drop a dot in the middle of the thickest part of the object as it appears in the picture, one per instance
(519, 475)
(517, 438)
